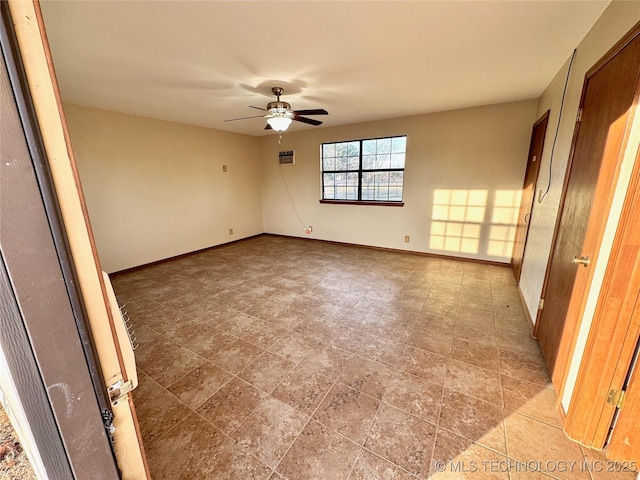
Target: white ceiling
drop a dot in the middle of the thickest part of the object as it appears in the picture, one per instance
(201, 62)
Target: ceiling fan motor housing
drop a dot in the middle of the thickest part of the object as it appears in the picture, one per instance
(278, 107)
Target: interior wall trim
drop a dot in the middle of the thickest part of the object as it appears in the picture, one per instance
(179, 256)
(371, 247)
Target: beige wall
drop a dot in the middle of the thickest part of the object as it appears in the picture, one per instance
(156, 189)
(617, 19)
(464, 173)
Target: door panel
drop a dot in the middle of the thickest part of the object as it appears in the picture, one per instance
(103, 322)
(613, 335)
(528, 193)
(608, 96)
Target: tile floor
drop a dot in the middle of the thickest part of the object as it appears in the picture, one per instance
(279, 358)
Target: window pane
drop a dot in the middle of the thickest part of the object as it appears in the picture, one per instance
(368, 162)
(354, 149)
(368, 185)
(341, 186)
(328, 180)
(384, 145)
(329, 163)
(354, 163)
(399, 145)
(383, 161)
(341, 163)
(369, 147)
(341, 150)
(329, 150)
(395, 186)
(352, 186)
(382, 186)
(397, 160)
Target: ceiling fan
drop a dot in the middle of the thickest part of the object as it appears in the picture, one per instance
(279, 114)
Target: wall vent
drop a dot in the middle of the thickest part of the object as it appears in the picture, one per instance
(286, 158)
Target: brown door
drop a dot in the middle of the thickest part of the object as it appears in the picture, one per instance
(607, 98)
(607, 391)
(528, 193)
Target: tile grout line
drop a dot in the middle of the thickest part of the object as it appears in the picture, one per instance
(337, 378)
(310, 419)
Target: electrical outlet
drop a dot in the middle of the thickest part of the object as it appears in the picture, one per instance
(231, 231)
(224, 168)
(407, 238)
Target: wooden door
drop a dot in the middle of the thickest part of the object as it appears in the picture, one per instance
(607, 389)
(528, 193)
(112, 345)
(607, 100)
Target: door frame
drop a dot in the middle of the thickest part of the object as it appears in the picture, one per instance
(543, 118)
(47, 349)
(595, 230)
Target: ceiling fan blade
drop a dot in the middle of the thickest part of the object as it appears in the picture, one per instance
(310, 121)
(243, 118)
(259, 108)
(317, 111)
(268, 127)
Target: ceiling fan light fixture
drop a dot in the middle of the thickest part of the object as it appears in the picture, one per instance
(279, 123)
(279, 114)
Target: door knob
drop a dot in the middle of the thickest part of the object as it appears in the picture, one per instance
(584, 261)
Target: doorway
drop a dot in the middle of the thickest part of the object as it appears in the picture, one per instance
(528, 193)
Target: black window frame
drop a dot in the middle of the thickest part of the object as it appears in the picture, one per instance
(360, 171)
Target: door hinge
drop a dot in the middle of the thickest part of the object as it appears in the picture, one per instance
(579, 117)
(117, 391)
(107, 420)
(541, 304)
(616, 397)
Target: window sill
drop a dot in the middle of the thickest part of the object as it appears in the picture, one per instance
(357, 202)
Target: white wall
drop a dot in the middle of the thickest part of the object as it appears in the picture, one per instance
(617, 19)
(469, 164)
(156, 189)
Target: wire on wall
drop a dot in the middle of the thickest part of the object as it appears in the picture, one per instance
(555, 138)
(291, 198)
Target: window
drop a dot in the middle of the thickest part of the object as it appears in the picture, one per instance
(364, 171)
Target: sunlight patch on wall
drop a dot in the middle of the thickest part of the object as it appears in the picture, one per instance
(468, 221)
(506, 207)
(504, 219)
(457, 219)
